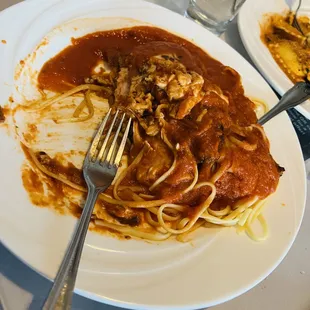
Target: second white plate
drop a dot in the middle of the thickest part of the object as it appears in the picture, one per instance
(249, 19)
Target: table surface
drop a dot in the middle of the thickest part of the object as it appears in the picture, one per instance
(287, 288)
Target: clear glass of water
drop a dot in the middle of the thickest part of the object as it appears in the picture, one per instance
(214, 14)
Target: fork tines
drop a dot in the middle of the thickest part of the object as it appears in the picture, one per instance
(295, 23)
(105, 147)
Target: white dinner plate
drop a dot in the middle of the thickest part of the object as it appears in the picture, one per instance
(135, 274)
(250, 17)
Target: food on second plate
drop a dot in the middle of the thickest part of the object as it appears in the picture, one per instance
(289, 47)
(196, 154)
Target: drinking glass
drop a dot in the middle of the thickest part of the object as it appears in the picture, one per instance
(214, 14)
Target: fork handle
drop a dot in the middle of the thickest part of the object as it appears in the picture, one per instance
(61, 293)
(296, 95)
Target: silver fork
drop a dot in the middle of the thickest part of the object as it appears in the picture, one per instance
(295, 23)
(296, 95)
(99, 170)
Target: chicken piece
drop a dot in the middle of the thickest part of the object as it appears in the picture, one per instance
(188, 87)
(139, 99)
(163, 76)
(122, 87)
(183, 83)
(174, 90)
(156, 161)
(141, 103)
(182, 109)
(163, 64)
(150, 125)
(105, 79)
(184, 79)
(133, 93)
(162, 80)
(137, 86)
(137, 138)
(170, 75)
